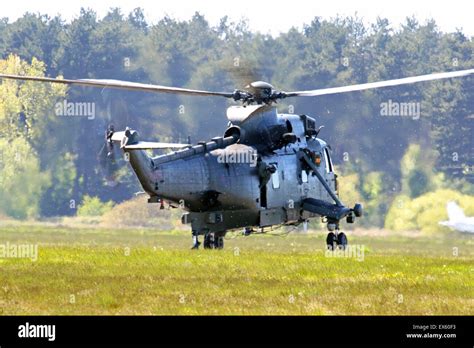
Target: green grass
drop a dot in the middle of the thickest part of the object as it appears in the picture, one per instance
(89, 271)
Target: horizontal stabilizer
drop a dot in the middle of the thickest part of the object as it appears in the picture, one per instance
(144, 145)
(118, 136)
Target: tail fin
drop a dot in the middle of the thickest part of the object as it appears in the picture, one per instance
(455, 212)
(135, 151)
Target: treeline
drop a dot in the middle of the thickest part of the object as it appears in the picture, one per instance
(368, 140)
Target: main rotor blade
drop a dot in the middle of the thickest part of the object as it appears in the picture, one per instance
(372, 85)
(117, 84)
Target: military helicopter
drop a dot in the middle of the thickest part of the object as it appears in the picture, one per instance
(267, 169)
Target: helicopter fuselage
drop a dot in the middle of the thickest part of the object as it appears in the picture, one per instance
(259, 181)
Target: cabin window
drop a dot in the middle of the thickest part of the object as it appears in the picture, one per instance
(304, 176)
(327, 157)
(275, 178)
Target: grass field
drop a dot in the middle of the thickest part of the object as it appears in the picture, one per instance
(143, 271)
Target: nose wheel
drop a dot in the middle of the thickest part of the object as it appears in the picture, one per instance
(336, 240)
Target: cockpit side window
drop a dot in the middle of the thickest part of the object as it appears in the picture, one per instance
(275, 178)
(327, 157)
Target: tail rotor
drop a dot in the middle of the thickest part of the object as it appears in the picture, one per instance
(107, 159)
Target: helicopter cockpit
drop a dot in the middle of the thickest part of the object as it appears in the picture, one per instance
(320, 153)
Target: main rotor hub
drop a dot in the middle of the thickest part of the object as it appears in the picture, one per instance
(258, 92)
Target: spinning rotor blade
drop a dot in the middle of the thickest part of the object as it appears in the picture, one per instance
(372, 85)
(260, 92)
(118, 84)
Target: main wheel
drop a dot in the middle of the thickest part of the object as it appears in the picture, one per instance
(342, 240)
(218, 242)
(330, 241)
(208, 242)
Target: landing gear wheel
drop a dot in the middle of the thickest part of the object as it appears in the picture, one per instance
(218, 242)
(330, 241)
(341, 240)
(196, 242)
(208, 242)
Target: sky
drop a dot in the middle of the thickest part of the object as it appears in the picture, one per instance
(270, 17)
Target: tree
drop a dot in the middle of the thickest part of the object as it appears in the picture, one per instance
(21, 181)
(25, 110)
